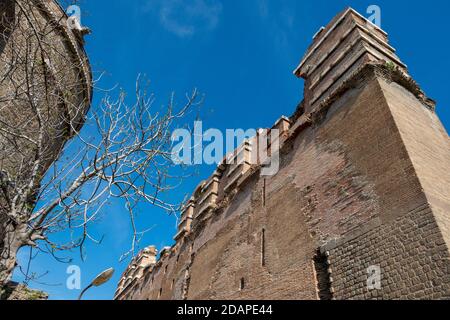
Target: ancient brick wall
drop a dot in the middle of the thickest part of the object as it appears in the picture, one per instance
(362, 183)
(410, 253)
(412, 250)
(428, 147)
(347, 186)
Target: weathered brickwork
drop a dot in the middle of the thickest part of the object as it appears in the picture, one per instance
(362, 183)
(410, 252)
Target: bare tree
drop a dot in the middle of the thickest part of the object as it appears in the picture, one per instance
(124, 151)
(128, 156)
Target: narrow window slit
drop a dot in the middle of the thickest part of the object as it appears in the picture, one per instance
(263, 247)
(323, 276)
(264, 193)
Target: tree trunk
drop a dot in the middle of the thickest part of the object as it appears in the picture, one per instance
(14, 239)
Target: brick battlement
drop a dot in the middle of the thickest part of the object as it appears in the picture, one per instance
(347, 43)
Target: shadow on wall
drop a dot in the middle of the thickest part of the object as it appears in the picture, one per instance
(7, 14)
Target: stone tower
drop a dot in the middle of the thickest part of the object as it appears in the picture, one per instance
(360, 208)
(45, 91)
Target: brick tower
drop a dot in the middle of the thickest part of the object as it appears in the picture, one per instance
(360, 208)
(45, 92)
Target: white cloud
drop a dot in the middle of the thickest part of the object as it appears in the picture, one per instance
(185, 17)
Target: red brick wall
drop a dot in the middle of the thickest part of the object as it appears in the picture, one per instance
(347, 184)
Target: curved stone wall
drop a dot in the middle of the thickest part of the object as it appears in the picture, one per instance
(45, 85)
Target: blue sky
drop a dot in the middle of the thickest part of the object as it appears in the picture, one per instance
(240, 54)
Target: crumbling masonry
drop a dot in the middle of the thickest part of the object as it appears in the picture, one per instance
(364, 186)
